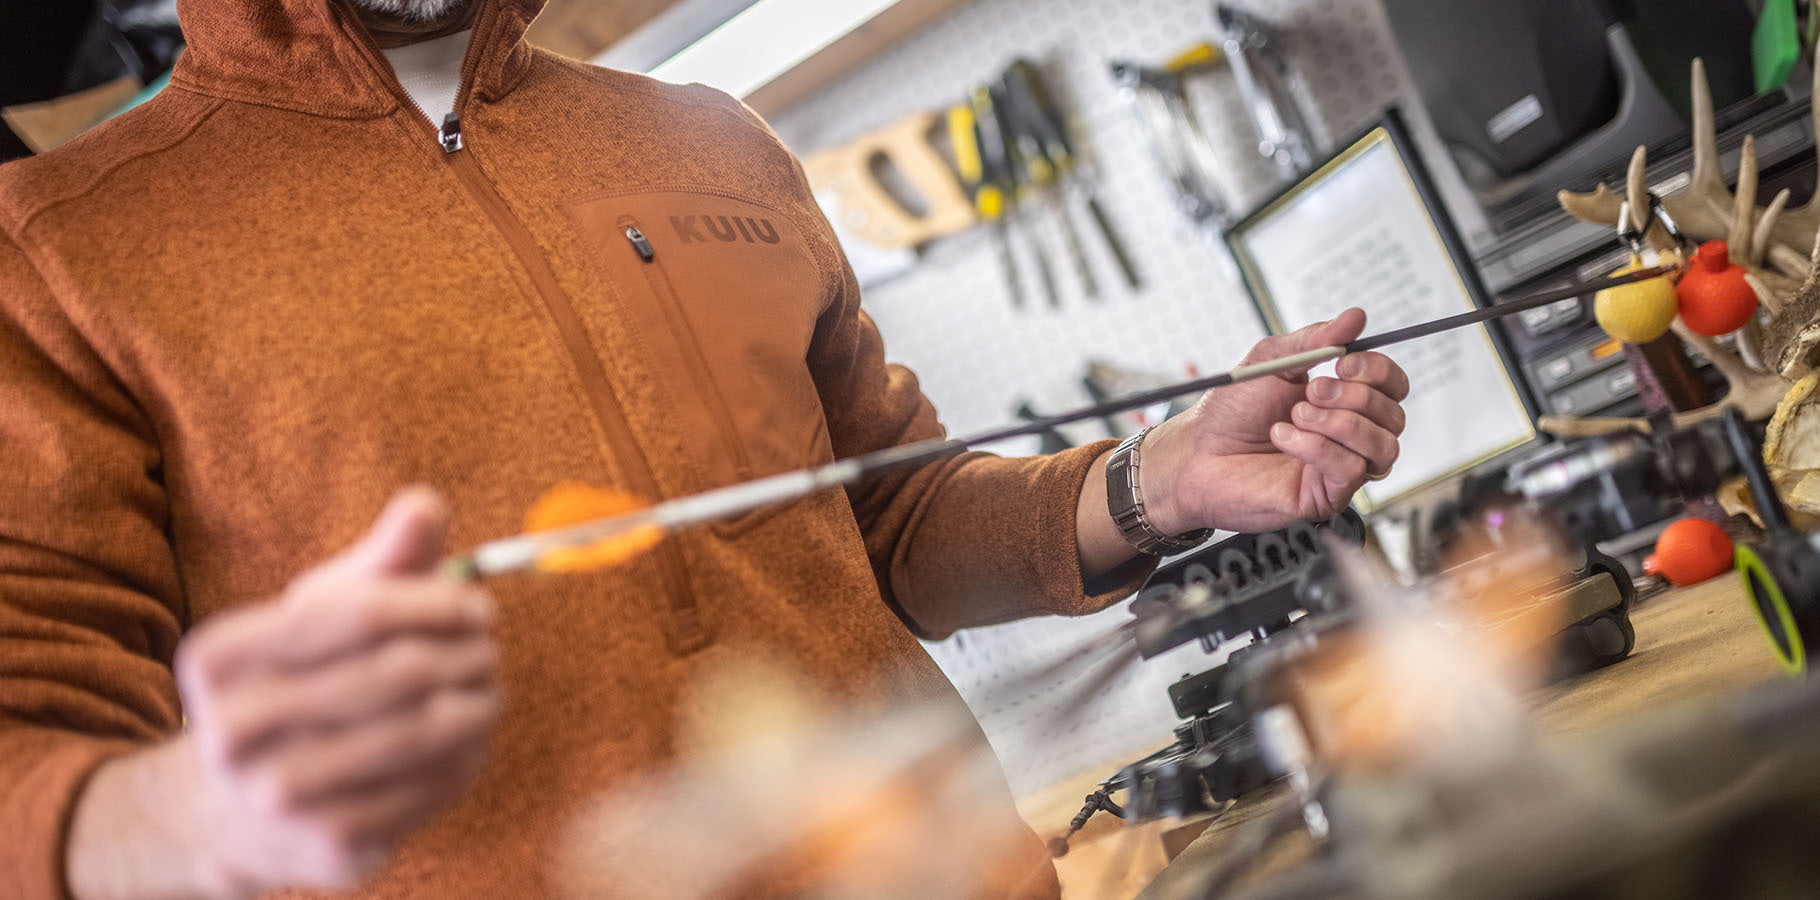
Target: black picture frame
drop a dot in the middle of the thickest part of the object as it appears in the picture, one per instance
(1393, 124)
(1390, 128)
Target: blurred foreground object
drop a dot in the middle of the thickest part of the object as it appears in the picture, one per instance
(1716, 798)
(1645, 795)
(777, 783)
(1343, 667)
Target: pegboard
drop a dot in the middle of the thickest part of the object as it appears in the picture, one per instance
(951, 320)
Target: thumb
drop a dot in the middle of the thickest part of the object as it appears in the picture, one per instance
(1346, 326)
(407, 538)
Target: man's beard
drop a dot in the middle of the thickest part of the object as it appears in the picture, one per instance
(417, 12)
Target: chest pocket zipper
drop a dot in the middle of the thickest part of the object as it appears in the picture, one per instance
(683, 332)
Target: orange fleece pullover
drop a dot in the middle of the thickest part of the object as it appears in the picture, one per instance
(238, 318)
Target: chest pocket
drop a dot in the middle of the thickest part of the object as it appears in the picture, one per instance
(724, 297)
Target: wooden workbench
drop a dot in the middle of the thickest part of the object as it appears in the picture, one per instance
(1691, 642)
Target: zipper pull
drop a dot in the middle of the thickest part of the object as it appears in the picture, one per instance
(449, 135)
(641, 243)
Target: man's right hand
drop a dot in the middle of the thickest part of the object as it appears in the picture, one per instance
(323, 726)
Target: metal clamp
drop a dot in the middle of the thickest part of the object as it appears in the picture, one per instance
(1632, 236)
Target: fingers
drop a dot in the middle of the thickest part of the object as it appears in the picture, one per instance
(323, 616)
(330, 618)
(1377, 371)
(1337, 465)
(397, 747)
(354, 839)
(1373, 404)
(335, 840)
(1352, 432)
(397, 673)
(329, 722)
(406, 539)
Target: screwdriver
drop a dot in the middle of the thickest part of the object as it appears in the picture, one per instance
(983, 177)
(1040, 170)
(999, 151)
(1045, 117)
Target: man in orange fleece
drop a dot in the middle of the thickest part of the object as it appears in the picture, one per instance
(329, 291)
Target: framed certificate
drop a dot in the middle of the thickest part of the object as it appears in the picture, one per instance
(1367, 229)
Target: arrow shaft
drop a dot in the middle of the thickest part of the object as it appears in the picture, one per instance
(522, 551)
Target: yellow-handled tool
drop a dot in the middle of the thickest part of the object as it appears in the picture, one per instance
(982, 169)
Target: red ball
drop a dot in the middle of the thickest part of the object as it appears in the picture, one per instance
(1693, 550)
(1714, 298)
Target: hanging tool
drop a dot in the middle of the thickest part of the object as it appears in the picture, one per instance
(1034, 106)
(999, 155)
(1041, 173)
(982, 173)
(1200, 56)
(1053, 441)
(868, 208)
(558, 548)
(1262, 73)
(1158, 97)
(1179, 144)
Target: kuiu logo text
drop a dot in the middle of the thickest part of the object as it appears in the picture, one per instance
(725, 229)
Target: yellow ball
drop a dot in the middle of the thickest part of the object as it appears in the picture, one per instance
(1637, 313)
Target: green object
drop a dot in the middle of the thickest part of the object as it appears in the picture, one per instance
(1773, 613)
(1775, 44)
(151, 90)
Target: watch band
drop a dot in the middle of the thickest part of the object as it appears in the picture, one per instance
(1125, 502)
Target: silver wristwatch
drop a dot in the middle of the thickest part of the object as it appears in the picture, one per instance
(1126, 504)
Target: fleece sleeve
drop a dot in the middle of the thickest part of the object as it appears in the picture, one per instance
(971, 540)
(974, 539)
(89, 600)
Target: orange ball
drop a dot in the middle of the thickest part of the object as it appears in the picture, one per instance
(1693, 550)
(1714, 298)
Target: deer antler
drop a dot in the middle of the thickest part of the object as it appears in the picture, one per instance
(1709, 210)
(1708, 180)
(1764, 241)
(1754, 393)
(1799, 224)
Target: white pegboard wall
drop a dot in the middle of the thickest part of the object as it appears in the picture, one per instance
(950, 319)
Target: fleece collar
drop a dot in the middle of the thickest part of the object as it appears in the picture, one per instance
(314, 56)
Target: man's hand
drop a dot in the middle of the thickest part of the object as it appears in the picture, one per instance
(1258, 455)
(323, 726)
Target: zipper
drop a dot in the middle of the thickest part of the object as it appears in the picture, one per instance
(705, 386)
(686, 629)
(448, 137)
(641, 243)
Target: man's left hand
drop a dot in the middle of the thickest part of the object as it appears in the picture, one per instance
(1259, 455)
